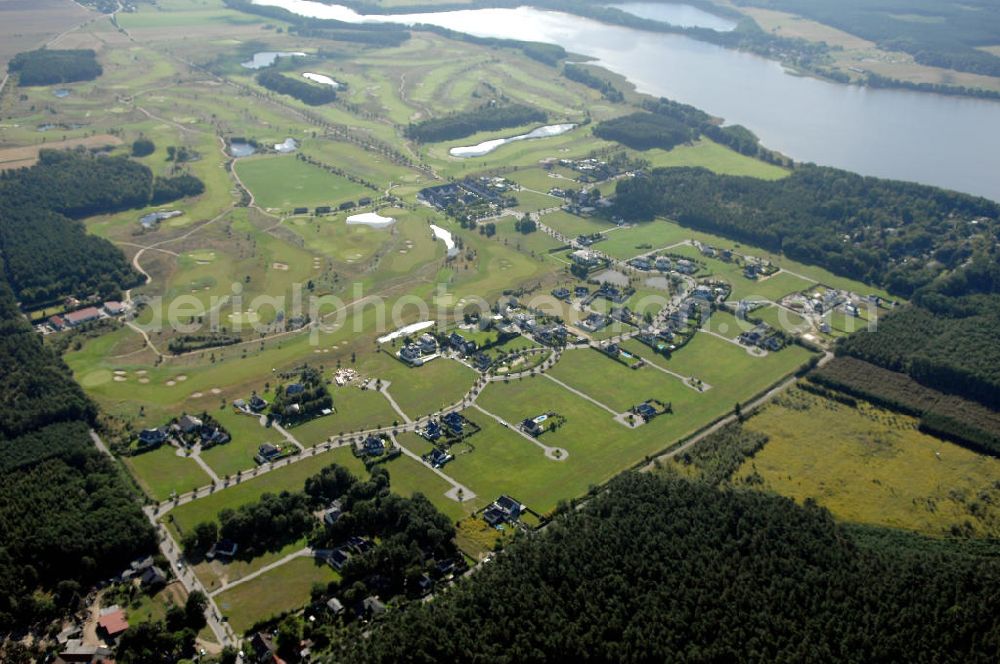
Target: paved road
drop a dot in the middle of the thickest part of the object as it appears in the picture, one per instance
(171, 551)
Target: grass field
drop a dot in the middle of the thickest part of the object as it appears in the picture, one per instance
(161, 472)
(614, 384)
(873, 466)
(216, 573)
(716, 158)
(288, 478)
(285, 182)
(282, 589)
(355, 409)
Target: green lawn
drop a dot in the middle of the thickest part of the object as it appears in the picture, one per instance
(355, 409)
(708, 154)
(614, 384)
(247, 435)
(162, 472)
(285, 182)
(408, 476)
(288, 478)
(282, 589)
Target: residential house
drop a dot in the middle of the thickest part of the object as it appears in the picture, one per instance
(703, 293)
(411, 354)
(581, 291)
(153, 577)
(360, 545)
(645, 411)
(371, 607)
(57, 322)
(641, 264)
(432, 431)
(153, 437)
(594, 322)
(331, 514)
(663, 263)
(585, 258)
(213, 436)
(438, 458)
(189, 424)
(111, 623)
(561, 294)
(257, 404)
(532, 427)
(267, 452)
(295, 389)
(455, 423)
(428, 344)
(338, 558)
(77, 652)
(371, 446)
(461, 344)
(335, 606)
(685, 266)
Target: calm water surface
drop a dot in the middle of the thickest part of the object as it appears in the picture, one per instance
(951, 142)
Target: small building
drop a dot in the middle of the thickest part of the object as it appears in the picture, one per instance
(372, 606)
(503, 510)
(685, 266)
(370, 447)
(581, 291)
(213, 436)
(75, 318)
(57, 322)
(331, 514)
(338, 558)
(78, 652)
(663, 263)
(224, 548)
(532, 427)
(295, 389)
(153, 577)
(645, 411)
(703, 293)
(112, 624)
(257, 404)
(561, 294)
(335, 606)
(114, 308)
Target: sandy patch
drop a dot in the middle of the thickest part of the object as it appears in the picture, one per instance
(120, 379)
(171, 383)
(280, 266)
(197, 395)
(216, 390)
(181, 378)
(144, 381)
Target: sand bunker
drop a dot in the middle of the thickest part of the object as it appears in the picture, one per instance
(197, 395)
(171, 383)
(280, 266)
(120, 379)
(181, 378)
(372, 219)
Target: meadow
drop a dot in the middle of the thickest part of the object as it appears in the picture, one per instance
(872, 466)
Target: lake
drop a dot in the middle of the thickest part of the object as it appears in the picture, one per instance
(267, 58)
(945, 141)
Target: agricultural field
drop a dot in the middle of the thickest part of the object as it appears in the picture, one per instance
(872, 466)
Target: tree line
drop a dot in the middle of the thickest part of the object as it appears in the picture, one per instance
(314, 95)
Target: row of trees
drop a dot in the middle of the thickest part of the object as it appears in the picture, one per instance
(307, 93)
(587, 77)
(667, 570)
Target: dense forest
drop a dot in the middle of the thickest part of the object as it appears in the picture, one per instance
(85, 524)
(488, 117)
(45, 252)
(898, 235)
(644, 131)
(307, 93)
(940, 33)
(49, 67)
(667, 570)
